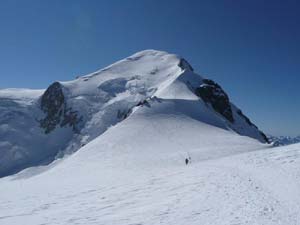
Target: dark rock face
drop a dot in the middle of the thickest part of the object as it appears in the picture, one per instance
(265, 137)
(213, 94)
(122, 115)
(53, 104)
(183, 64)
(144, 103)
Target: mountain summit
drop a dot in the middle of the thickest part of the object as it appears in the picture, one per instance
(151, 89)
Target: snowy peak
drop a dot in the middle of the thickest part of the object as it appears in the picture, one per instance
(145, 71)
(126, 83)
(118, 88)
(70, 114)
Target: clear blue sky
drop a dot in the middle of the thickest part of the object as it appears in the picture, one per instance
(252, 48)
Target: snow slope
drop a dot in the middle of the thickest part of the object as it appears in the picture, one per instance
(97, 185)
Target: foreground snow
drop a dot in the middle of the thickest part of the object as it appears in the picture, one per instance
(260, 187)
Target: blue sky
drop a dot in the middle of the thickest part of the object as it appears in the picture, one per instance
(252, 48)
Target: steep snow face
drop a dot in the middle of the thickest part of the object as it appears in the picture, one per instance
(36, 127)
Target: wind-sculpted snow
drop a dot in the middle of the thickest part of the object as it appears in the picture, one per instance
(37, 126)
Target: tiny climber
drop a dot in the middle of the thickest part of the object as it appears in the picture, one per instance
(186, 161)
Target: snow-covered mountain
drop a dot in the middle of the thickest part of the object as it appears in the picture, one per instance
(283, 140)
(130, 127)
(158, 102)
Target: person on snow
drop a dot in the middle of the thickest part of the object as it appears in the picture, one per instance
(186, 161)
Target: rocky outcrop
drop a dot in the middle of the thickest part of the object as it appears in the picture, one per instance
(184, 65)
(53, 104)
(265, 137)
(212, 93)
